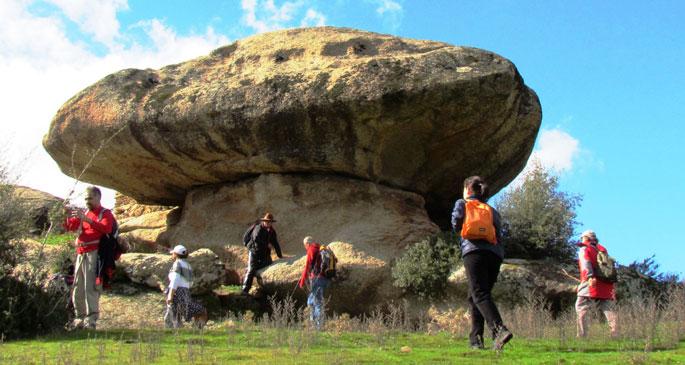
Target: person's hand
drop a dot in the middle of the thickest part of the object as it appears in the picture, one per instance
(168, 301)
(592, 281)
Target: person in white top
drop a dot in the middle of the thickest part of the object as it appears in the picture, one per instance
(179, 303)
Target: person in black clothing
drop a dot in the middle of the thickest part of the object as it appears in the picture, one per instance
(482, 260)
(259, 239)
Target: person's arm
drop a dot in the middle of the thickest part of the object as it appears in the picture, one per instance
(275, 244)
(497, 222)
(585, 263)
(72, 223)
(174, 279)
(458, 215)
(307, 265)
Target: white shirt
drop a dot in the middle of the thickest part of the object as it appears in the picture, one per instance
(177, 280)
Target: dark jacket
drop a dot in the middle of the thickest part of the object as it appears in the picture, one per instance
(262, 237)
(468, 246)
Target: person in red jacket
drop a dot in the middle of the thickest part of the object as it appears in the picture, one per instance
(593, 292)
(91, 225)
(312, 275)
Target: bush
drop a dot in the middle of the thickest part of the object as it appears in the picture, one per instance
(26, 308)
(539, 220)
(424, 268)
(642, 279)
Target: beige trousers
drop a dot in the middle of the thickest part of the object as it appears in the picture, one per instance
(583, 307)
(86, 296)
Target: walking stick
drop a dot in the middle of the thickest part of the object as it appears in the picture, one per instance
(569, 275)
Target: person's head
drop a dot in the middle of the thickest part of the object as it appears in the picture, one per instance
(268, 220)
(307, 241)
(180, 252)
(93, 196)
(475, 186)
(589, 236)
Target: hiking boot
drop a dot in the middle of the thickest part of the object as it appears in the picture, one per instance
(477, 346)
(74, 325)
(503, 336)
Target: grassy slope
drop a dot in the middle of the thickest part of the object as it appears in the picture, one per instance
(294, 347)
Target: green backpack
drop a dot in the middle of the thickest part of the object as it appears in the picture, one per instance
(606, 267)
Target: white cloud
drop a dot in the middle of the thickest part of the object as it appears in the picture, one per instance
(390, 11)
(388, 6)
(41, 68)
(313, 19)
(98, 18)
(265, 16)
(556, 150)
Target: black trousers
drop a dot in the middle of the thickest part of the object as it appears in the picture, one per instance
(255, 262)
(482, 268)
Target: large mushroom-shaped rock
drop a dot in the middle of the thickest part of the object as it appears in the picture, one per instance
(153, 269)
(416, 115)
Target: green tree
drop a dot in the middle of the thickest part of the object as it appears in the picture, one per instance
(424, 267)
(539, 220)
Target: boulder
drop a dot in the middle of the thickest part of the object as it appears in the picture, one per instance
(377, 220)
(153, 269)
(147, 232)
(525, 281)
(39, 204)
(415, 115)
(126, 208)
(363, 280)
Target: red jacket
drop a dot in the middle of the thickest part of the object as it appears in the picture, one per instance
(312, 257)
(89, 239)
(587, 262)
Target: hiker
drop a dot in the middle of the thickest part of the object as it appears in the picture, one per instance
(593, 291)
(260, 239)
(92, 226)
(180, 305)
(313, 274)
(481, 248)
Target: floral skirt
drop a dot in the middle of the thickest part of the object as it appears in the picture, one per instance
(182, 307)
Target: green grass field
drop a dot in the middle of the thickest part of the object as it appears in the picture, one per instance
(282, 346)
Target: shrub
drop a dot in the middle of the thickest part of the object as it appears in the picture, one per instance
(26, 308)
(423, 269)
(539, 220)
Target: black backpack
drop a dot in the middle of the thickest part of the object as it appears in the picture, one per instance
(109, 251)
(249, 238)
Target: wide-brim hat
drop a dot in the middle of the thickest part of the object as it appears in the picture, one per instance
(268, 217)
(179, 250)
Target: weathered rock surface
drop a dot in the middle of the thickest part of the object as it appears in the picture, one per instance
(147, 232)
(363, 280)
(523, 281)
(416, 115)
(39, 204)
(153, 269)
(377, 220)
(126, 208)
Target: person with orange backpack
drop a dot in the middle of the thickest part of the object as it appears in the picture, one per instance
(479, 227)
(596, 288)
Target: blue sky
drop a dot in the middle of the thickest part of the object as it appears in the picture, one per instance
(609, 76)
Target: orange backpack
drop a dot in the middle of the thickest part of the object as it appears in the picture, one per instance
(478, 222)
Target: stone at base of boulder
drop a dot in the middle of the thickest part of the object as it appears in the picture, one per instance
(523, 281)
(153, 269)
